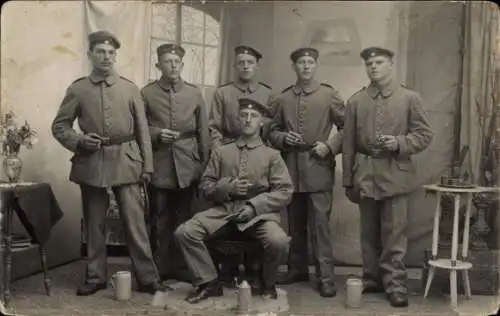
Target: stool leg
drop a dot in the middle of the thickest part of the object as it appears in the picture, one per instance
(465, 276)
(43, 258)
(465, 245)
(453, 288)
(454, 249)
(8, 255)
(432, 272)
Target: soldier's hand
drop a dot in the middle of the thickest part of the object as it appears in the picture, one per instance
(352, 194)
(390, 142)
(245, 214)
(168, 136)
(293, 139)
(320, 150)
(239, 186)
(146, 177)
(91, 142)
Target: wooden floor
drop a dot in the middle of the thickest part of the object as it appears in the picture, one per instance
(299, 299)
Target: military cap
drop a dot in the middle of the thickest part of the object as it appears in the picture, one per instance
(304, 51)
(248, 103)
(172, 49)
(103, 37)
(244, 49)
(376, 51)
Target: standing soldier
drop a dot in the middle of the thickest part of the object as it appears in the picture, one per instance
(385, 124)
(224, 109)
(224, 125)
(304, 115)
(179, 133)
(250, 184)
(114, 151)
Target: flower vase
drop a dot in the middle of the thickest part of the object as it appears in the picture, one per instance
(12, 166)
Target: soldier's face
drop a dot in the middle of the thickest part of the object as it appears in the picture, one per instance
(170, 65)
(378, 67)
(103, 57)
(250, 121)
(305, 67)
(246, 66)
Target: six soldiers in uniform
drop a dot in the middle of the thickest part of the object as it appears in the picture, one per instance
(161, 135)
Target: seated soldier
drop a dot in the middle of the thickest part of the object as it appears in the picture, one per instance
(249, 183)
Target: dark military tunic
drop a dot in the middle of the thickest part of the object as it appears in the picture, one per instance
(394, 110)
(111, 107)
(180, 108)
(310, 111)
(224, 109)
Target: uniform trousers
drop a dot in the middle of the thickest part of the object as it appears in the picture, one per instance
(311, 210)
(170, 208)
(131, 206)
(192, 235)
(384, 242)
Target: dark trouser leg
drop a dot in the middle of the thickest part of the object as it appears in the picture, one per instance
(298, 259)
(95, 204)
(166, 218)
(371, 247)
(182, 205)
(131, 208)
(275, 243)
(394, 225)
(191, 237)
(163, 221)
(319, 207)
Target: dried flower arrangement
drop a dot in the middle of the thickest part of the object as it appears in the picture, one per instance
(13, 137)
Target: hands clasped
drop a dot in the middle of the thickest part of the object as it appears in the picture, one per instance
(91, 142)
(387, 142)
(294, 139)
(168, 136)
(239, 187)
(242, 215)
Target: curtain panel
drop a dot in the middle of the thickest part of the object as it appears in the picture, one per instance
(130, 21)
(478, 82)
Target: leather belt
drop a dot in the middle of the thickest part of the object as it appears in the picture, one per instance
(375, 153)
(117, 140)
(187, 135)
(304, 147)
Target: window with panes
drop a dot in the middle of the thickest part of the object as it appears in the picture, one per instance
(198, 33)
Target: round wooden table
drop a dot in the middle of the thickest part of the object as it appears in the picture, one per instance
(453, 264)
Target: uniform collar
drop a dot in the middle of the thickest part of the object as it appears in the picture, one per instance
(110, 79)
(308, 88)
(250, 86)
(168, 85)
(386, 90)
(252, 143)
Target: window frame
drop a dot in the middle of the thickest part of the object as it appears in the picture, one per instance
(178, 40)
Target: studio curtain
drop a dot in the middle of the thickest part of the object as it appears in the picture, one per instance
(231, 37)
(479, 81)
(130, 21)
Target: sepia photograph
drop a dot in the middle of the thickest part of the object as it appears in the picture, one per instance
(249, 157)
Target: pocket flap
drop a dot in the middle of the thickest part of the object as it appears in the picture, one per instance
(132, 154)
(405, 165)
